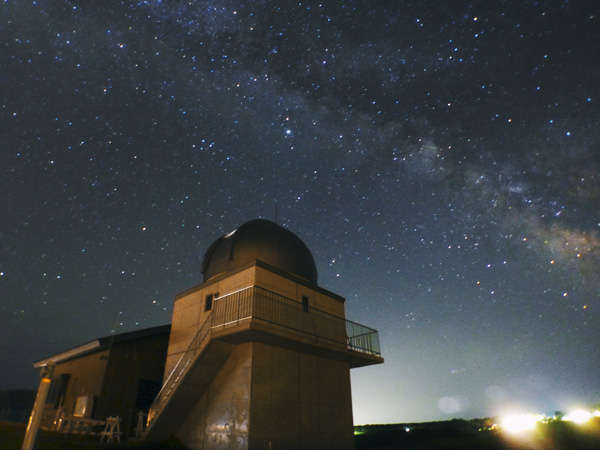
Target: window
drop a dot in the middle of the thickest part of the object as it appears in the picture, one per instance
(58, 388)
(208, 302)
(83, 406)
(304, 303)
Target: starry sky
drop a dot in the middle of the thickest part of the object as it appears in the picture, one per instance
(440, 159)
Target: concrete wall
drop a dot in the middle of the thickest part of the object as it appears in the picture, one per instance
(294, 290)
(189, 315)
(270, 398)
(220, 418)
(299, 401)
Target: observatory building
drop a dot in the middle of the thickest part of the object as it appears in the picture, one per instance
(258, 355)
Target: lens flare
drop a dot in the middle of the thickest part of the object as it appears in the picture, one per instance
(517, 423)
(578, 416)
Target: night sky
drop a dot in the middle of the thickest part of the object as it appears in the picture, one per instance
(441, 162)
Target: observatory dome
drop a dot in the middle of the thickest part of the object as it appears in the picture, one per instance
(262, 240)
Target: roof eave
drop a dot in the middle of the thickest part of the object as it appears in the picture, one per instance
(72, 353)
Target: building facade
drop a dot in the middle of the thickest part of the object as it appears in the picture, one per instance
(116, 375)
(258, 355)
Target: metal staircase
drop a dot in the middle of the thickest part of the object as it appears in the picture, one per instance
(185, 384)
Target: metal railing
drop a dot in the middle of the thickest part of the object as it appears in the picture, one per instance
(258, 303)
(177, 374)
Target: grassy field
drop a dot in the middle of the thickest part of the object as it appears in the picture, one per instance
(450, 435)
(11, 438)
(476, 435)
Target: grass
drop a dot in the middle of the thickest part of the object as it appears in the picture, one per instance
(11, 438)
(449, 435)
(466, 435)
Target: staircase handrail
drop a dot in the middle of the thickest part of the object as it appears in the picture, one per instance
(178, 372)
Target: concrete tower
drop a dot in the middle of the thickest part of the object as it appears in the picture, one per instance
(259, 355)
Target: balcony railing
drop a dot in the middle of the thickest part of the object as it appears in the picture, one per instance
(257, 303)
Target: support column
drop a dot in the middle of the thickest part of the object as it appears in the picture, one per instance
(38, 408)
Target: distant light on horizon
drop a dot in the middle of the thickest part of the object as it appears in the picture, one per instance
(578, 416)
(521, 422)
(518, 423)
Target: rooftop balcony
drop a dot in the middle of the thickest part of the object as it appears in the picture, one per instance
(257, 314)
(287, 317)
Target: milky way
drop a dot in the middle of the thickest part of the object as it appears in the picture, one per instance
(442, 164)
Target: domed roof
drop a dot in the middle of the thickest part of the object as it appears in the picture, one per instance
(262, 240)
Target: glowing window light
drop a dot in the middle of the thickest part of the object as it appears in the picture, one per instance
(517, 423)
(596, 413)
(578, 416)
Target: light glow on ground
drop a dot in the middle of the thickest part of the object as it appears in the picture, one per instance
(578, 416)
(518, 423)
